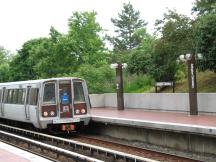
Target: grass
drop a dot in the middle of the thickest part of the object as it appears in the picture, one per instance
(206, 82)
(138, 84)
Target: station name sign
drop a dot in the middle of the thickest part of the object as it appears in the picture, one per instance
(160, 84)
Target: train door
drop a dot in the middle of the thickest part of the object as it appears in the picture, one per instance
(49, 105)
(2, 98)
(65, 98)
(80, 107)
(27, 103)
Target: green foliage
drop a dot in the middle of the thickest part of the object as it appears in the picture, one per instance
(99, 79)
(138, 83)
(85, 39)
(29, 57)
(127, 23)
(206, 83)
(61, 53)
(177, 38)
(204, 6)
(4, 66)
(141, 59)
(177, 31)
(81, 51)
(181, 72)
(206, 41)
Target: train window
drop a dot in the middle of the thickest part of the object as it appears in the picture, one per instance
(49, 93)
(0, 95)
(78, 92)
(21, 96)
(9, 96)
(15, 96)
(5, 96)
(34, 96)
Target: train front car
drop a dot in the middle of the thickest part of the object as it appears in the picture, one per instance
(65, 105)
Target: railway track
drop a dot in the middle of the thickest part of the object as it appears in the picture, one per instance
(132, 150)
(47, 151)
(60, 149)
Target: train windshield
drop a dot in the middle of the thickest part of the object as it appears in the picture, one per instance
(78, 92)
(49, 93)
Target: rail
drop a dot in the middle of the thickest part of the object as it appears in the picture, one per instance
(91, 149)
(58, 151)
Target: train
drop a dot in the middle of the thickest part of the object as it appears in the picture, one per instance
(54, 104)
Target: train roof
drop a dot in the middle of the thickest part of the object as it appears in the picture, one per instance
(37, 81)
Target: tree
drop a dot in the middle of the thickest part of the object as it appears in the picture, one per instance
(176, 38)
(61, 54)
(141, 58)
(84, 37)
(163, 65)
(205, 33)
(99, 79)
(127, 23)
(204, 7)
(24, 69)
(177, 31)
(206, 41)
(4, 66)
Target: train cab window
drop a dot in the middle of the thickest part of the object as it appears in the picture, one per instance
(78, 92)
(34, 96)
(49, 93)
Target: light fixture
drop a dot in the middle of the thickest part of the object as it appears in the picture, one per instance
(199, 56)
(188, 56)
(182, 58)
(124, 65)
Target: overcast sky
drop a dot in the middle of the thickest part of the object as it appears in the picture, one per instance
(21, 20)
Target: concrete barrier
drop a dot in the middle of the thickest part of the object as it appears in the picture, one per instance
(157, 101)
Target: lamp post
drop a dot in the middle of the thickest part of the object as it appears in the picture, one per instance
(192, 83)
(119, 84)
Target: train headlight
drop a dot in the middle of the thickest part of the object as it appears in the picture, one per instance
(83, 111)
(52, 113)
(45, 113)
(77, 111)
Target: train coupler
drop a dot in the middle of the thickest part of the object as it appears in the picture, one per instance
(68, 127)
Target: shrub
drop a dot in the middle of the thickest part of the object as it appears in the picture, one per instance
(138, 83)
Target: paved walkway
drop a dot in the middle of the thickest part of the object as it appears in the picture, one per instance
(9, 153)
(6, 156)
(171, 117)
(204, 124)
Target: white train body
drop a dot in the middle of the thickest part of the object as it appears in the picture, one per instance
(61, 102)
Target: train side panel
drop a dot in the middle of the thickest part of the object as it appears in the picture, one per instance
(19, 103)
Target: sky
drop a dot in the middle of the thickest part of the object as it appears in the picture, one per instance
(22, 20)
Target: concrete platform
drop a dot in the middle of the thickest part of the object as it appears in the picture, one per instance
(9, 153)
(171, 121)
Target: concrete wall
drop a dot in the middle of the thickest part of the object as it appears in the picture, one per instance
(199, 147)
(97, 100)
(157, 101)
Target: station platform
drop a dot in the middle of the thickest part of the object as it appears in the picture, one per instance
(9, 153)
(171, 121)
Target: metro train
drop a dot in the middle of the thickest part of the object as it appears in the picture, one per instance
(55, 104)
